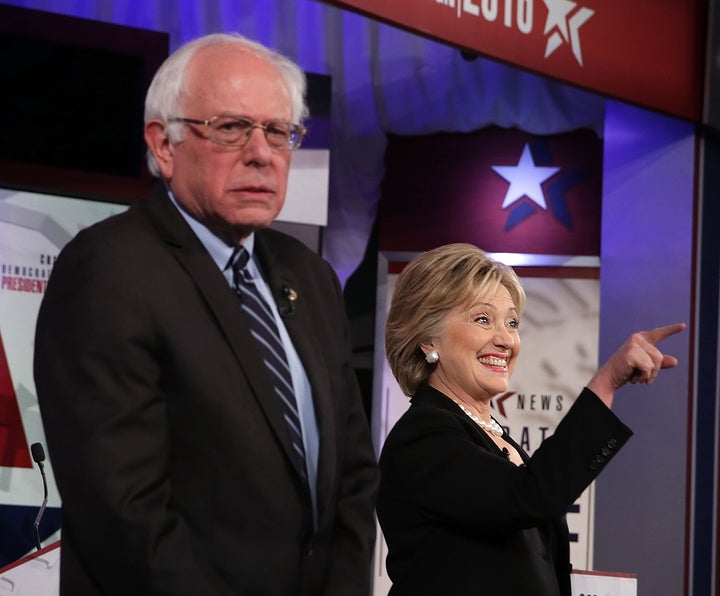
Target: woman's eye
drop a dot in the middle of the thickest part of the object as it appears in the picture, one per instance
(482, 320)
(514, 324)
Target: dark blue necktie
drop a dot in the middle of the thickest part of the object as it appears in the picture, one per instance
(265, 331)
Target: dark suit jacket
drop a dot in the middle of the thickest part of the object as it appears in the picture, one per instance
(461, 519)
(166, 441)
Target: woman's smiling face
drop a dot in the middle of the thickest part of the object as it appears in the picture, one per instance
(478, 346)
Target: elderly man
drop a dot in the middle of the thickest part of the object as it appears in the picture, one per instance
(193, 367)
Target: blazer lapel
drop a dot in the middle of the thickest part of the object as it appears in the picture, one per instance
(427, 395)
(222, 302)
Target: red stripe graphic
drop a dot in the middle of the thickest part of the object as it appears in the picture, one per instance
(14, 452)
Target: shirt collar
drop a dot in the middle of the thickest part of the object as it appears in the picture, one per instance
(220, 251)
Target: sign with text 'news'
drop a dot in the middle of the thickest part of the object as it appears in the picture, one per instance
(646, 52)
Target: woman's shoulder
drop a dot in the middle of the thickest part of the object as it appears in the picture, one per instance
(426, 417)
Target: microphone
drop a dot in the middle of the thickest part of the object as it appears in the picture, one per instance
(38, 455)
(506, 452)
(290, 295)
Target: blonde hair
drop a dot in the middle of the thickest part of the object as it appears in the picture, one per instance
(431, 285)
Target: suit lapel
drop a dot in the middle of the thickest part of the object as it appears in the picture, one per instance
(222, 302)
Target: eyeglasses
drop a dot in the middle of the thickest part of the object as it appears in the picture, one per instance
(234, 131)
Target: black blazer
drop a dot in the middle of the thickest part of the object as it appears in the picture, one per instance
(166, 441)
(460, 519)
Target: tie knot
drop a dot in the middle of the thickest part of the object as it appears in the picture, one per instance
(240, 259)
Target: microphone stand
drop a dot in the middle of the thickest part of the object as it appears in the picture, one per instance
(38, 455)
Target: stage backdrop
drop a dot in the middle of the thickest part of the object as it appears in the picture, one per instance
(33, 229)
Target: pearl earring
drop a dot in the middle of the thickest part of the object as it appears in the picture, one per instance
(432, 357)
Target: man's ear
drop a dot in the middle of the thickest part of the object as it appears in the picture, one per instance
(159, 145)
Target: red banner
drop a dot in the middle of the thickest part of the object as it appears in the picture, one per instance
(646, 52)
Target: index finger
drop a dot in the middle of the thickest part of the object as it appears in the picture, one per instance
(659, 333)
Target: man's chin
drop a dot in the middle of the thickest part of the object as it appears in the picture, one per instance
(241, 228)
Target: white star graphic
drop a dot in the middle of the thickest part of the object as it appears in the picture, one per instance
(525, 179)
(566, 29)
(558, 10)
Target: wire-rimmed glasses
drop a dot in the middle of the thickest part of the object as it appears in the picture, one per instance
(234, 131)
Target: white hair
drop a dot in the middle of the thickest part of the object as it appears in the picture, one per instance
(168, 87)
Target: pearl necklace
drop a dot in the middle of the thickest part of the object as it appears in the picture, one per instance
(492, 427)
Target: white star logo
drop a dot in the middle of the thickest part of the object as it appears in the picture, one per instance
(525, 179)
(564, 29)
